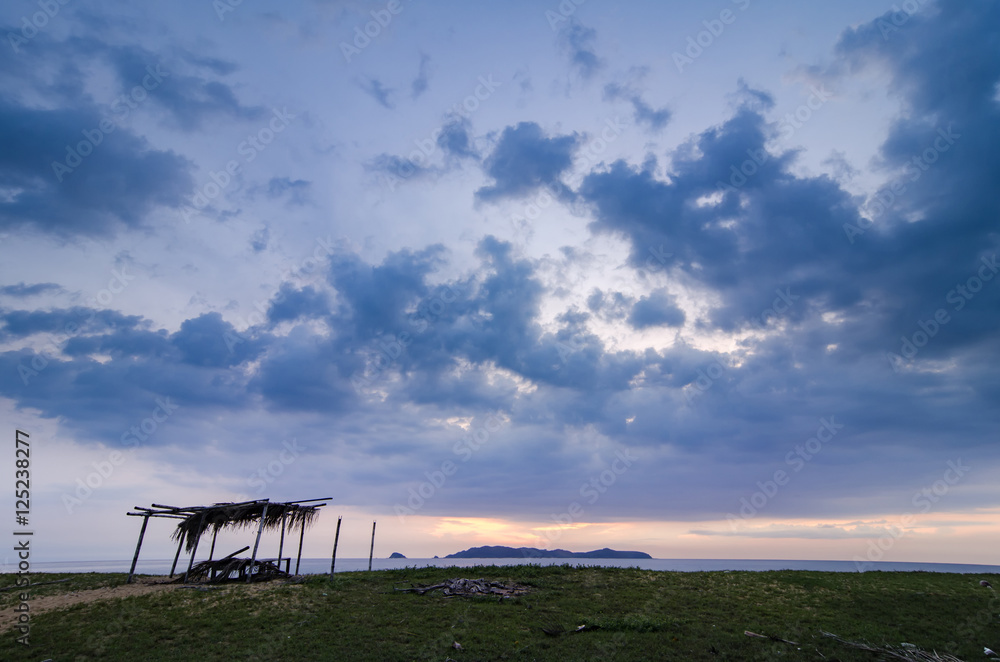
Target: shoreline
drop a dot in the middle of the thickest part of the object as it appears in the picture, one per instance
(321, 566)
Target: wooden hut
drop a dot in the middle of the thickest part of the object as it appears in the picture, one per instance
(263, 514)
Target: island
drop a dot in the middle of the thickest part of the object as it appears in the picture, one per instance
(501, 552)
(396, 555)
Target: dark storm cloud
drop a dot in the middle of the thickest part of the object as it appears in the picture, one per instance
(525, 159)
(75, 167)
(71, 177)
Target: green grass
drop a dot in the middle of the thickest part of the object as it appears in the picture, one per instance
(629, 614)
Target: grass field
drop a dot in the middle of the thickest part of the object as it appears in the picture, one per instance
(630, 614)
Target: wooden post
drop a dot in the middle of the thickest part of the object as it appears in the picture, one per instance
(135, 559)
(336, 539)
(260, 529)
(177, 555)
(281, 545)
(371, 552)
(201, 522)
(298, 559)
(211, 552)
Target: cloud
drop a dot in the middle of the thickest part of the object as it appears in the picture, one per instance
(578, 41)
(296, 190)
(525, 159)
(65, 176)
(643, 113)
(419, 84)
(810, 532)
(290, 304)
(188, 97)
(22, 291)
(381, 94)
(455, 140)
(657, 309)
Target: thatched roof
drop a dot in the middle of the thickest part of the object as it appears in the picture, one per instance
(196, 521)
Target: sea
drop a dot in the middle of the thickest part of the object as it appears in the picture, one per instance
(322, 566)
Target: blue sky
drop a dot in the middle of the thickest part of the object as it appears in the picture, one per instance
(704, 280)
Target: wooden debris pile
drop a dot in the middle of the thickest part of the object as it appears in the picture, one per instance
(452, 588)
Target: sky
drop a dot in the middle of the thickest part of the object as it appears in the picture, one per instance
(705, 280)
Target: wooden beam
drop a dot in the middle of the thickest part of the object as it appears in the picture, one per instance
(260, 529)
(201, 523)
(371, 552)
(281, 545)
(336, 539)
(211, 552)
(298, 559)
(177, 555)
(135, 557)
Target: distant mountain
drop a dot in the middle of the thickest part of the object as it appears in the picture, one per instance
(396, 555)
(500, 552)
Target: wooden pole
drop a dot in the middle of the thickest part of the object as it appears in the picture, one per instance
(336, 539)
(201, 522)
(211, 552)
(281, 545)
(177, 555)
(298, 559)
(260, 529)
(135, 559)
(371, 552)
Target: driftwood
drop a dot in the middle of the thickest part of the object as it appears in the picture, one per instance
(222, 570)
(908, 652)
(469, 587)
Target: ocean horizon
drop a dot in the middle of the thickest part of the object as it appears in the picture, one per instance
(319, 566)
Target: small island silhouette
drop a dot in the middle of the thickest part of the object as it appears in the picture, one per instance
(501, 552)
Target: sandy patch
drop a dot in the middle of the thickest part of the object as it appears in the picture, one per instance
(140, 586)
(42, 604)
